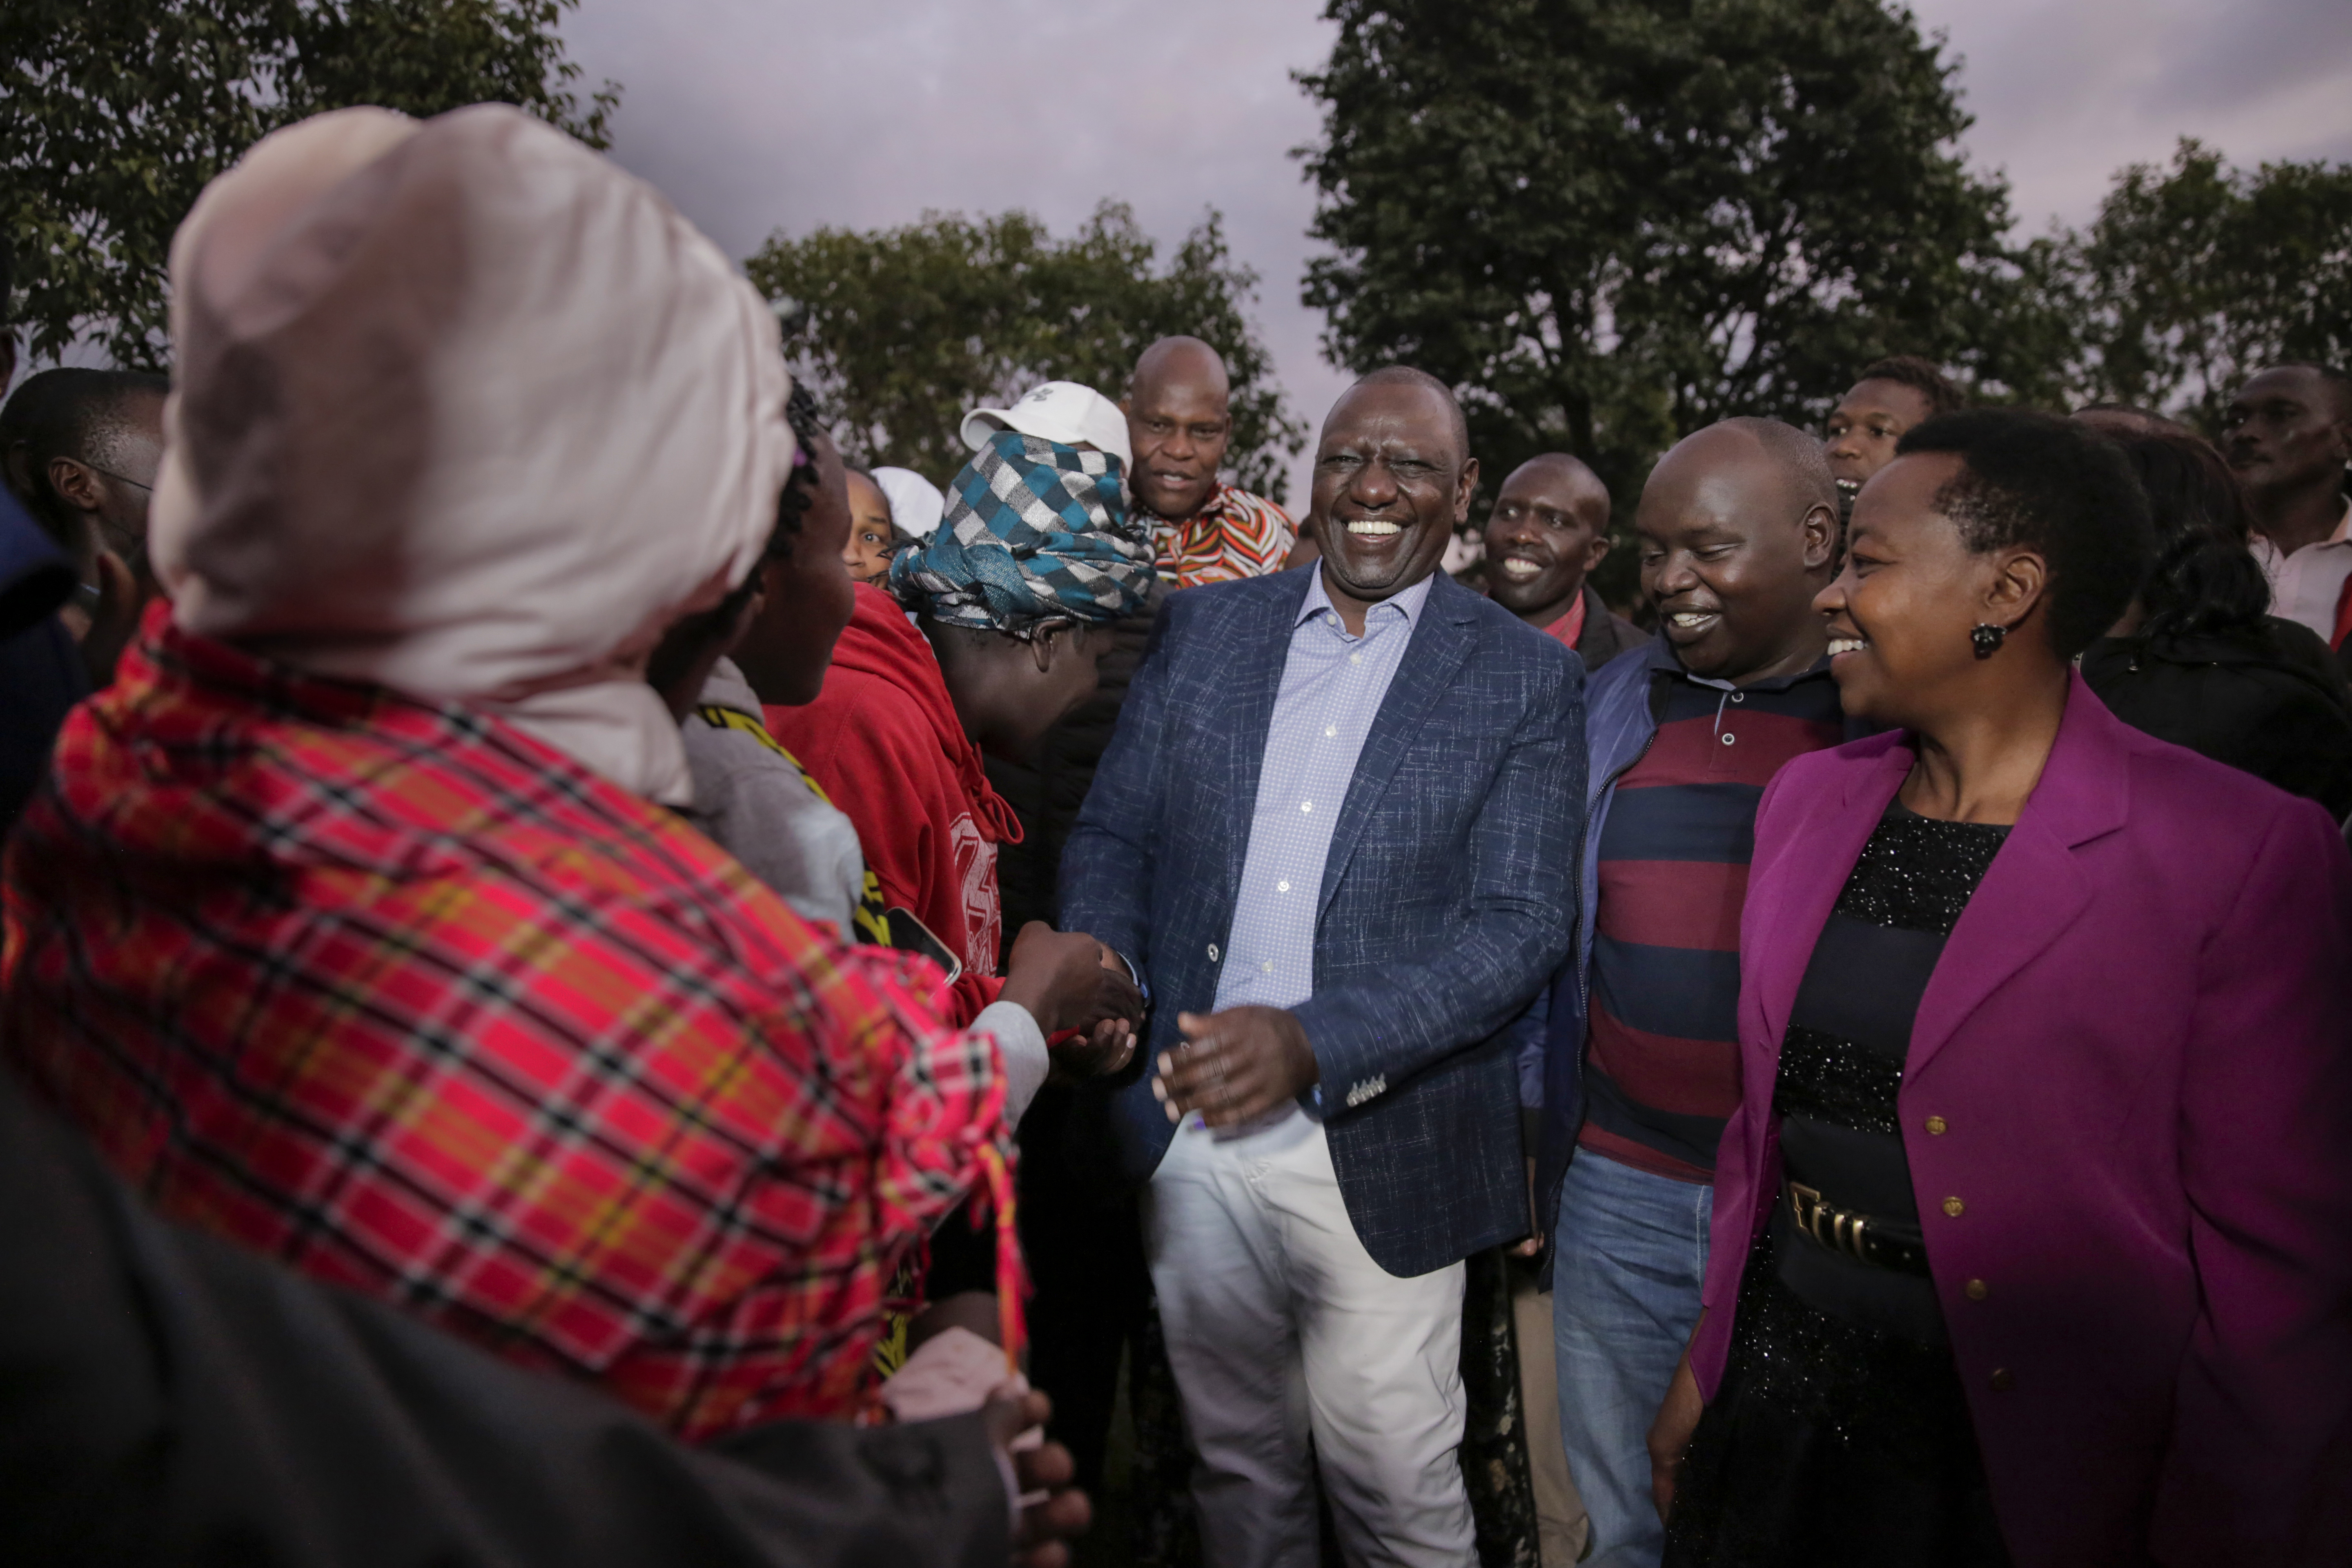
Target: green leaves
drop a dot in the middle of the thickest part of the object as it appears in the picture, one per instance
(1611, 222)
(907, 328)
(2194, 277)
(113, 116)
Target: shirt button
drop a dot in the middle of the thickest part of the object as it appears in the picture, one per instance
(1937, 1126)
(1331, 729)
(1267, 966)
(1954, 1208)
(2002, 1379)
(1355, 658)
(1305, 806)
(1213, 953)
(1975, 1290)
(1282, 887)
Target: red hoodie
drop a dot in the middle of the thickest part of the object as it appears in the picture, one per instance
(884, 742)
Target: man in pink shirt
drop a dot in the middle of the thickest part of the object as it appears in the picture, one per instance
(2288, 434)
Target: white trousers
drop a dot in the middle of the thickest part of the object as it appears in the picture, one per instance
(1279, 1325)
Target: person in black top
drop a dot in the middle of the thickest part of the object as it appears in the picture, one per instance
(1841, 1334)
(2198, 660)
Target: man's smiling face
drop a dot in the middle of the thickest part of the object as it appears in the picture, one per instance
(1548, 529)
(1392, 482)
(1729, 557)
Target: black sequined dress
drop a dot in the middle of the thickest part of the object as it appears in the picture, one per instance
(1841, 1434)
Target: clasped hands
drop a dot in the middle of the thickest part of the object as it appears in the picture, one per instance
(1068, 981)
(1235, 1065)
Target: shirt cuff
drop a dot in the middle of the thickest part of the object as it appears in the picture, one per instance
(1021, 1045)
(1135, 973)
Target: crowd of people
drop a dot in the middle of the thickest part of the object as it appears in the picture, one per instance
(586, 980)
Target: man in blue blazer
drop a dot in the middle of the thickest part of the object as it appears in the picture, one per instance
(1334, 836)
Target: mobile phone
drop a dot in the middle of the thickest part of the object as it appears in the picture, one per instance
(909, 934)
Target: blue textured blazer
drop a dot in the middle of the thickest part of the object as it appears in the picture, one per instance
(1447, 900)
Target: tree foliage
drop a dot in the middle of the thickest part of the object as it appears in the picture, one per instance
(902, 330)
(1611, 222)
(2193, 278)
(114, 115)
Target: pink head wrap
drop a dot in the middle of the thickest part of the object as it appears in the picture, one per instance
(463, 409)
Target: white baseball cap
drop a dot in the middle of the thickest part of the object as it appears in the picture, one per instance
(915, 503)
(1061, 411)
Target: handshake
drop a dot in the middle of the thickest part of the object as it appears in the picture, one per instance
(1082, 996)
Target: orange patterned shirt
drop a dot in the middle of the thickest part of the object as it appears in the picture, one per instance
(1235, 535)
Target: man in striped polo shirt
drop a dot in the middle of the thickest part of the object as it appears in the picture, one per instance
(1737, 531)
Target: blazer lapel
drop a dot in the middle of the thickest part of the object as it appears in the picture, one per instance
(1789, 898)
(2035, 888)
(1441, 641)
(1248, 712)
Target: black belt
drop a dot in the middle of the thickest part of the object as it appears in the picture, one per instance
(1855, 1234)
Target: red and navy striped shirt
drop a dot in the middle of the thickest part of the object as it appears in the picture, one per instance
(1662, 1068)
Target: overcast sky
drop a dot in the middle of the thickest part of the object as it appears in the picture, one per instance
(759, 115)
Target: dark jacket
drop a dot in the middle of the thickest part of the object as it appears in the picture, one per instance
(1606, 632)
(174, 1400)
(2268, 701)
(1446, 896)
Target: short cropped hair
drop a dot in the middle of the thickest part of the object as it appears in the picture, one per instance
(1801, 458)
(1417, 377)
(2339, 384)
(73, 412)
(1942, 393)
(2051, 486)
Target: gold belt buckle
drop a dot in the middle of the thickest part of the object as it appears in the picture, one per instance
(1805, 1206)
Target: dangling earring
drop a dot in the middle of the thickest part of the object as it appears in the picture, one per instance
(1986, 638)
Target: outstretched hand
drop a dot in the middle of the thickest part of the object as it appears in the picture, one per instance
(1235, 1065)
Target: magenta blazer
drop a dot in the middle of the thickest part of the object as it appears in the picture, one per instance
(2128, 1112)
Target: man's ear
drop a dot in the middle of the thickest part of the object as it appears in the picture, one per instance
(1821, 530)
(1465, 491)
(77, 482)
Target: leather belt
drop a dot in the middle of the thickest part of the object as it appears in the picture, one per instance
(1855, 1234)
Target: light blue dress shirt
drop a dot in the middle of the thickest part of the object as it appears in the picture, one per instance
(1333, 686)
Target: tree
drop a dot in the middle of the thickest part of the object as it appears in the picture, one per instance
(902, 332)
(2192, 278)
(113, 116)
(1608, 222)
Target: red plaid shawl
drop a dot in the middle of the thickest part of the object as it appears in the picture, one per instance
(414, 1002)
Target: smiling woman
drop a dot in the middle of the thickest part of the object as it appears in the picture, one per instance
(1993, 1326)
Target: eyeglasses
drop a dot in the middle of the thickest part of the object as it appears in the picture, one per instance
(120, 479)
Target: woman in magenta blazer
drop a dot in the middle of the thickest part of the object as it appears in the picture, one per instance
(2033, 1235)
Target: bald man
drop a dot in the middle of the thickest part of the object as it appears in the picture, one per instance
(1548, 530)
(1737, 530)
(1335, 835)
(1179, 421)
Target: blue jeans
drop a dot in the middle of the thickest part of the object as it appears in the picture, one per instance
(1631, 1257)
